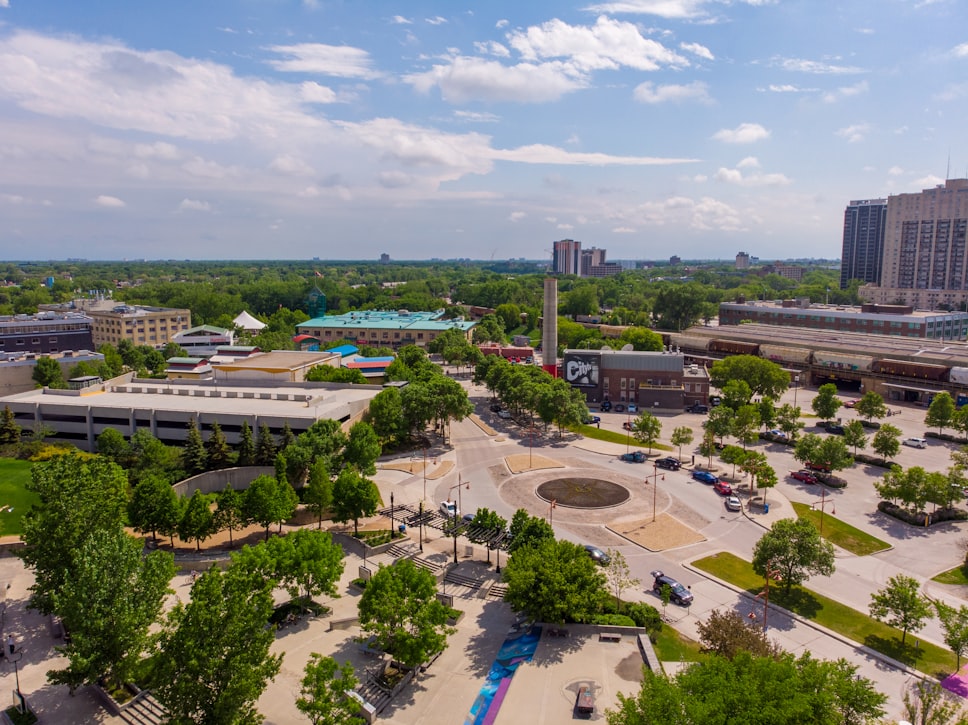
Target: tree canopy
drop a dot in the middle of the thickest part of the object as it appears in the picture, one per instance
(795, 550)
(764, 378)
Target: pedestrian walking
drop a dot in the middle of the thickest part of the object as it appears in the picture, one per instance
(10, 643)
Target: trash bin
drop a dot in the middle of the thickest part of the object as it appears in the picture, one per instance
(766, 508)
(402, 528)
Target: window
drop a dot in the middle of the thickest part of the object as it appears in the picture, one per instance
(624, 381)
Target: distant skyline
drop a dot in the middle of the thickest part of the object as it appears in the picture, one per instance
(293, 129)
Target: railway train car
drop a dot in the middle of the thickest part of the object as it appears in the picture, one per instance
(734, 347)
(958, 376)
(905, 369)
(842, 361)
(785, 355)
(690, 343)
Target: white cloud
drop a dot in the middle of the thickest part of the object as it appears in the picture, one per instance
(565, 227)
(623, 230)
(310, 4)
(750, 162)
(291, 166)
(4, 3)
(394, 179)
(929, 181)
(737, 177)
(650, 93)
(696, 49)
(342, 61)
(854, 133)
(960, 51)
(476, 116)
(503, 23)
(314, 93)
(109, 202)
(895, 171)
(542, 154)
(12, 198)
(744, 133)
(400, 20)
(194, 205)
(802, 65)
(516, 216)
(865, 31)
(436, 20)
(573, 140)
(952, 92)
(846, 92)
(157, 150)
(787, 88)
(668, 9)
(700, 178)
(464, 79)
(492, 47)
(608, 44)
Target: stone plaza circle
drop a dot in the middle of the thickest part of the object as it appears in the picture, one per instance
(583, 493)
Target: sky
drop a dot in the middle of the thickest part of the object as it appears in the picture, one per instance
(294, 129)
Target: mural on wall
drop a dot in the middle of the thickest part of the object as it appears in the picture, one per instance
(582, 370)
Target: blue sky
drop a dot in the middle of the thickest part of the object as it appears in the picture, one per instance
(340, 130)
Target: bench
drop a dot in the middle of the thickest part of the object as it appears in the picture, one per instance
(609, 637)
(585, 701)
(557, 632)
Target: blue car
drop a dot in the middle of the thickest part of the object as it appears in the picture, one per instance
(634, 457)
(705, 477)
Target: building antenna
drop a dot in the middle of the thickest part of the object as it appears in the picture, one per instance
(947, 171)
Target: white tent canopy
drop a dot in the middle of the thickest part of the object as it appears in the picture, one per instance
(248, 322)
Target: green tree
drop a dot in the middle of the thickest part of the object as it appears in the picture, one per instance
(264, 502)
(647, 428)
(194, 455)
(870, 406)
(619, 575)
(246, 447)
(362, 448)
(9, 430)
(736, 393)
(385, 414)
(307, 563)
(77, 497)
(554, 581)
(788, 420)
(197, 521)
(678, 305)
(399, 607)
(795, 549)
(150, 455)
(265, 447)
(826, 403)
(214, 659)
(940, 412)
(324, 697)
(681, 436)
(954, 623)
(229, 511)
(527, 531)
(354, 496)
(112, 445)
(318, 493)
(47, 373)
(745, 424)
(720, 422)
(854, 435)
(331, 374)
(641, 338)
(110, 601)
(766, 379)
(728, 633)
(154, 506)
(828, 452)
(288, 437)
(901, 604)
(887, 441)
(217, 449)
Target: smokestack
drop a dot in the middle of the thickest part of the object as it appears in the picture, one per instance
(549, 331)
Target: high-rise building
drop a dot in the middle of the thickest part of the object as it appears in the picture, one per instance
(925, 258)
(742, 260)
(567, 257)
(864, 226)
(593, 257)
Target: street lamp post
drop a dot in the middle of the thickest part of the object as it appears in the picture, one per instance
(391, 516)
(655, 486)
(421, 527)
(15, 657)
(425, 473)
(796, 384)
(823, 503)
(459, 485)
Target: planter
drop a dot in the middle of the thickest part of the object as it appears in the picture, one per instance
(112, 704)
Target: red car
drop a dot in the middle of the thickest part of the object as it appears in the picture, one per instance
(723, 488)
(804, 475)
(627, 425)
(850, 403)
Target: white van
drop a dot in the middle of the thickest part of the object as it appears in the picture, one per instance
(916, 442)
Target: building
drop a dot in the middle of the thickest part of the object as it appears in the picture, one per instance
(138, 324)
(248, 323)
(17, 369)
(898, 320)
(645, 380)
(288, 366)
(593, 257)
(742, 260)
(674, 260)
(925, 259)
(865, 222)
(566, 257)
(204, 340)
(46, 332)
(789, 271)
(384, 329)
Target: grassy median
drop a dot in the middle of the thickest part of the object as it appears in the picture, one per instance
(833, 615)
(840, 533)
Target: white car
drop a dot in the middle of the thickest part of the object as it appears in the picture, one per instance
(449, 509)
(733, 504)
(504, 414)
(916, 442)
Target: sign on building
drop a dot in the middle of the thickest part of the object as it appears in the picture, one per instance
(581, 370)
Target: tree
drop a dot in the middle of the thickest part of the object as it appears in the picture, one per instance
(795, 549)
(308, 563)
(399, 607)
(362, 448)
(555, 582)
(766, 379)
(528, 531)
(829, 452)
(197, 521)
(217, 449)
(150, 455)
(229, 514)
(263, 502)
(678, 305)
(619, 575)
(854, 435)
(826, 403)
(214, 659)
(954, 622)
(887, 441)
(354, 496)
(928, 703)
(940, 412)
(745, 424)
(318, 492)
(109, 602)
(265, 447)
(720, 422)
(246, 448)
(288, 437)
(647, 429)
(681, 436)
(870, 406)
(385, 414)
(154, 506)
(901, 604)
(324, 695)
(111, 444)
(194, 455)
(788, 420)
(729, 633)
(47, 373)
(641, 338)
(736, 393)
(77, 498)
(9, 430)
(733, 456)
(331, 374)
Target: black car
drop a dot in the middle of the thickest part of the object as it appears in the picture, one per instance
(697, 408)
(669, 463)
(495, 407)
(597, 555)
(835, 429)
(606, 406)
(678, 594)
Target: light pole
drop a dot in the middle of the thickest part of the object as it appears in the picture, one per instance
(421, 527)
(655, 486)
(459, 485)
(425, 474)
(15, 657)
(823, 502)
(551, 512)
(391, 516)
(796, 384)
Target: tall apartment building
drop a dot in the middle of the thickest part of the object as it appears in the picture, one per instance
(139, 324)
(593, 257)
(567, 257)
(865, 222)
(742, 260)
(925, 259)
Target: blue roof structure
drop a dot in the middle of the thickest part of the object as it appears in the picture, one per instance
(388, 320)
(344, 350)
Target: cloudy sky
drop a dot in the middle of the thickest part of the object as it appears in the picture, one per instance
(341, 129)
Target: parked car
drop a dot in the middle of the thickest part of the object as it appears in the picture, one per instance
(705, 477)
(597, 555)
(606, 406)
(818, 467)
(835, 429)
(804, 475)
(779, 435)
(620, 408)
(626, 425)
(723, 488)
(449, 509)
(669, 463)
(633, 408)
(916, 442)
(634, 457)
(850, 403)
(504, 414)
(715, 400)
(733, 504)
(496, 407)
(678, 595)
(697, 408)
(593, 419)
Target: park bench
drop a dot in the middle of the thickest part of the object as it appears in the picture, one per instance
(609, 637)
(585, 701)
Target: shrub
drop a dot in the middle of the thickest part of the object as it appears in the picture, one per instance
(645, 615)
(614, 620)
(916, 518)
(873, 460)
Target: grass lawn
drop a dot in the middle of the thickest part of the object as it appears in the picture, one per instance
(952, 576)
(670, 646)
(842, 534)
(928, 658)
(14, 476)
(590, 431)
